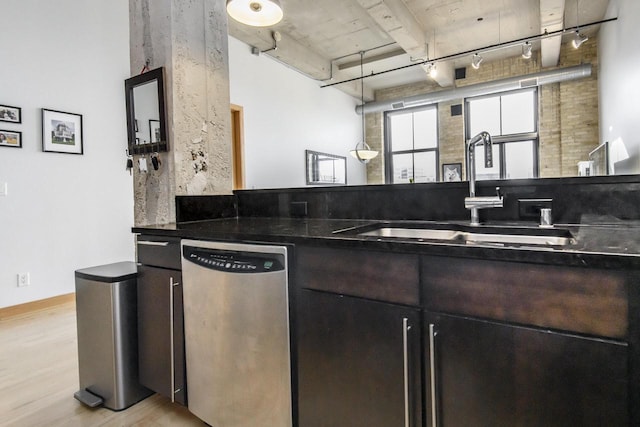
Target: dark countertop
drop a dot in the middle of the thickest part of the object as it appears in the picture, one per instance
(599, 242)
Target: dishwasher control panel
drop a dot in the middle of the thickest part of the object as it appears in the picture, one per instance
(233, 261)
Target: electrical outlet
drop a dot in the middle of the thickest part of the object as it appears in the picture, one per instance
(24, 279)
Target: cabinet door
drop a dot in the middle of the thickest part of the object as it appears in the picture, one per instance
(160, 319)
(358, 362)
(488, 374)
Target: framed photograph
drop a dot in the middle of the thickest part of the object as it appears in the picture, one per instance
(451, 172)
(154, 131)
(10, 138)
(10, 114)
(61, 132)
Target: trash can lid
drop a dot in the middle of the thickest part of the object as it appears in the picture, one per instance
(110, 273)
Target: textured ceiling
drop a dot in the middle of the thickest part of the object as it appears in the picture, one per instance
(322, 38)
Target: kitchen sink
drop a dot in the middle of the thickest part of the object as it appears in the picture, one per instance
(464, 234)
(413, 233)
(517, 239)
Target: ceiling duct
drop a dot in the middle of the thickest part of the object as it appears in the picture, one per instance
(486, 88)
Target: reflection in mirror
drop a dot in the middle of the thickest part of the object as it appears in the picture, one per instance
(146, 124)
(325, 169)
(145, 107)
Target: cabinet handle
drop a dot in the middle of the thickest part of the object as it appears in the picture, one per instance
(405, 361)
(172, 285)
(432, 377)
(150, 243)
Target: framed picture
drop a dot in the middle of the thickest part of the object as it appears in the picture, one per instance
(61, 132)
(10, 138)
(154, 131)
(451, 172)
(10, 114)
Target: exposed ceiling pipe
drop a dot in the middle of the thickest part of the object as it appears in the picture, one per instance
(485, 88)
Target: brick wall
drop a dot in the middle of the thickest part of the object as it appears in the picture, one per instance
(567, 112)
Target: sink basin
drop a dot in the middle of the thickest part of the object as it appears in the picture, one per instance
(458, 233)
(517, 239)
(413, 233)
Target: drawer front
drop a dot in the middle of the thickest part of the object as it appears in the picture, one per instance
(572, 299)
(382, 276)
(159, 251)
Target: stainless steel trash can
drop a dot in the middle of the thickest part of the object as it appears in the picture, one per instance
(106, 310)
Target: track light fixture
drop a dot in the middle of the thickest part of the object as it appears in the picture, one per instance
(526, 50)
(578, 39)
(476, 61)
(432, 70)
(257, 13)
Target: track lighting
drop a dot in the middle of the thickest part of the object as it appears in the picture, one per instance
(526, 50)
(476, 61)
(257, 13)
(578, 39)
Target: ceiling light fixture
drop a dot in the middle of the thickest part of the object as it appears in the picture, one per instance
(527, 50)
(578, 39)
(362, 151)
(257, 13)
(476, 61)
(432, 70)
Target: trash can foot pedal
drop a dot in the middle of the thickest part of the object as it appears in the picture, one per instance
(88, 398)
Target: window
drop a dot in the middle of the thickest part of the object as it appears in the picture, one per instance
(511, 120)
(411, 142)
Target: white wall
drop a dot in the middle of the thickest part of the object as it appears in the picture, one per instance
(286, 113)
(619, 79)
(63, 211)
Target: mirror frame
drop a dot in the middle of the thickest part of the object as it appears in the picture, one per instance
(309, 154)
(130, 84)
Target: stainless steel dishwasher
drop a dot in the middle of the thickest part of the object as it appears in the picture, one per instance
(236, 321)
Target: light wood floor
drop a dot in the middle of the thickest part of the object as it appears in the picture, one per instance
(39, 374)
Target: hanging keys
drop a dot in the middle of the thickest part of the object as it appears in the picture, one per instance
(142, 164)
(155, 161)
(129, 162)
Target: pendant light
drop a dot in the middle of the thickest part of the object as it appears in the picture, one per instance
(362, 151)
(257, 13)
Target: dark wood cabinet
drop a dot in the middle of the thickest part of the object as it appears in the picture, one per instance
(358, 362)
(161, 354)
(482, 373)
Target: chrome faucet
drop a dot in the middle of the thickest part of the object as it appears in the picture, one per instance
(472, 202)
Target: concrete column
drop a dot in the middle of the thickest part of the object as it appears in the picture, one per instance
(189, 39)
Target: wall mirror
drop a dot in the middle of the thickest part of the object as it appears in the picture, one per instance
(146, 116)
(325, 169)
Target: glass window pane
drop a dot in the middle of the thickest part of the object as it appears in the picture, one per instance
(484, 115)
(425, 167)
(518, 112)
(401, 132)
(483, 173)
(425, 128)
(519, 159)
(402, 167)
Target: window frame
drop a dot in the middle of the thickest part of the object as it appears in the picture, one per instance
(388, 150)
(502, 140)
